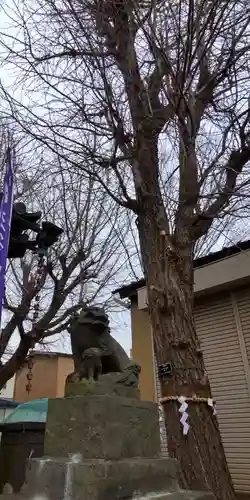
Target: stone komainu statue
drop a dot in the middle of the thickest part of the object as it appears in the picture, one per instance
(95, 351)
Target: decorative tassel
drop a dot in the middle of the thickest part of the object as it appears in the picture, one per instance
(211, 403)
(184, 415)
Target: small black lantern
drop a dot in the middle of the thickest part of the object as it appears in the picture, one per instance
(23, 221)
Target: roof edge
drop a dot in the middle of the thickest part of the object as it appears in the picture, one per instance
(51, 354)
(130, 290)
(8, 403)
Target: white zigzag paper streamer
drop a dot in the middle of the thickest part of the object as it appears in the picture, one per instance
(184, 416)
(211, 403)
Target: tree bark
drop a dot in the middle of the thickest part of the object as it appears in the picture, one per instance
(9, 369)
(168, 266)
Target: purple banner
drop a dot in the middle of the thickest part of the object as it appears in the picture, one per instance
(5, 222)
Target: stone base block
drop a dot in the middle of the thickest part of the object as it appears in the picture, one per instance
(106, 427)
(134, 479)
(181, 495)
(99, 479)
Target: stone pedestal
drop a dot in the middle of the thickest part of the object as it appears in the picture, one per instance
(103, 427)
(102, 445)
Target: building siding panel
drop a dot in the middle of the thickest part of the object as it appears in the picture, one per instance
(217, 331)
(243, 303)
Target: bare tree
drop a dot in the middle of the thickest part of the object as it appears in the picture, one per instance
(152, 100)
(80, 269)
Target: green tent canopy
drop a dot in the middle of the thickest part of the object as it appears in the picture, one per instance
(32, 411)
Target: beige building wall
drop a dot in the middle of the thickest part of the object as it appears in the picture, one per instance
(142, 351)
(43, 383)
(49, 373)
(65, 367)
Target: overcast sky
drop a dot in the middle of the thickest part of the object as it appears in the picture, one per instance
(120, 321)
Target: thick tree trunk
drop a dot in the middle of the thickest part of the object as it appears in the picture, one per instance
(200, 453)
(168, 265)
